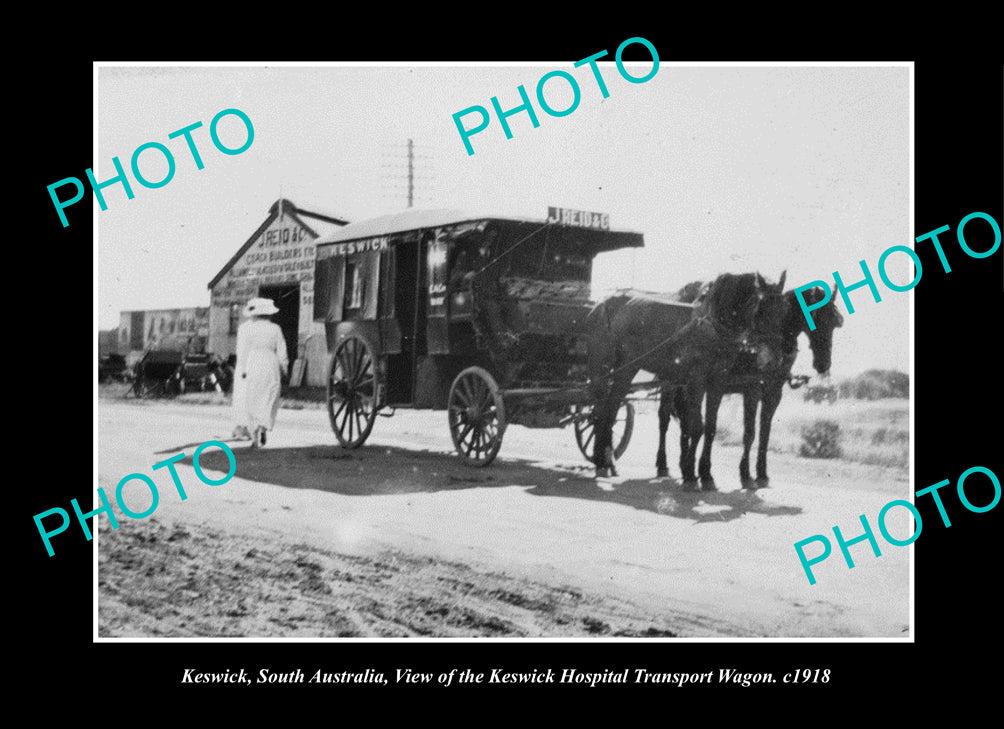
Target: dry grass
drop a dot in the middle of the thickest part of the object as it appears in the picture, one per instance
(874, 432)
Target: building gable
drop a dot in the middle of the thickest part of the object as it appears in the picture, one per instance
(287, 222)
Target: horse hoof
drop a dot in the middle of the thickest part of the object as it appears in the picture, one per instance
(748, 483)
(690, 485)
(662, 473)
(708, 484)
(602, 472)
(762, 482)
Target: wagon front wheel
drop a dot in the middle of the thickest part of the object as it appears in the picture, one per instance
(352, 388)
(585, 429)
(477, 416)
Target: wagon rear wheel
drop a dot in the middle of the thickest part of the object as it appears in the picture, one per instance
(145, 387)
(585, 427)
(352, 388)
(477, 416)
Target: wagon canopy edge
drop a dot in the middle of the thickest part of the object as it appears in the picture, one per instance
(387, 225)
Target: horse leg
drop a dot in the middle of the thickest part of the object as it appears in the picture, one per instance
(684, 444)
(665, 411)
(691, 423)
(751, 398)
(710, 427)
(680, 407)
(771, 399)
(605, 414)
(602, 437)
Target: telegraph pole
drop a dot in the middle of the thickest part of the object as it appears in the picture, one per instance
(411, 173)
(393, 168)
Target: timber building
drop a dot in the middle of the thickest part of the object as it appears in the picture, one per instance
(276, 262)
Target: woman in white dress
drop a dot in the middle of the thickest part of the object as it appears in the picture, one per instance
(261, 361)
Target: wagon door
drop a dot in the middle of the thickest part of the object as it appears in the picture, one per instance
(407, 284)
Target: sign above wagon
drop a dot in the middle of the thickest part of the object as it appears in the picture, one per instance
(359, 246)
(578, 218)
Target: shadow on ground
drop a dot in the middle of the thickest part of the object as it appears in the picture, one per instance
(383, 470)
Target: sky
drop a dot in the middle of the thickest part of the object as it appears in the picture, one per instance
(804, 169)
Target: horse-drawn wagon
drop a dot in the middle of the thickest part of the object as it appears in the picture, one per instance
(175, 364)
(481, 316)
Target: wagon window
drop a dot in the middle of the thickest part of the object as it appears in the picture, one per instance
(437, 257)
(353, 285)
(329, 275)
(369, 275)
(362, 279)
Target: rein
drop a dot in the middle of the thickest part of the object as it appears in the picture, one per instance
(508, 250)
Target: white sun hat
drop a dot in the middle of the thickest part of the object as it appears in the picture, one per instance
(260, 307)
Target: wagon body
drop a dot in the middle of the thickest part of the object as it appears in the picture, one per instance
(411, 301)
(175, 364)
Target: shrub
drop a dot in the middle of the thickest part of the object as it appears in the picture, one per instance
(876, 384)
(821, 440)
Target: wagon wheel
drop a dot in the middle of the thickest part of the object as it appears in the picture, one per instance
(145, 387)
(585, 426)
(352, 390)
(477, 416)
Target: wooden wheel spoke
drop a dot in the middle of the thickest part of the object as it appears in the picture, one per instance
(345, 365)
(362, 361)
(476, 416)
(352, 389)
(467, 388)
(364, 404)
(468, 446)
(350, 360)
(361, 375)
(345, 416)
(361, 369)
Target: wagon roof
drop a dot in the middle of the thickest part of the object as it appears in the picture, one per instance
(416, 219)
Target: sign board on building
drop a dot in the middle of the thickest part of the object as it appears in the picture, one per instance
(139, 330)
(282, 254)
(578, 218)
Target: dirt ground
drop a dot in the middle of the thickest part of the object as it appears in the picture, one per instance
(398, 538)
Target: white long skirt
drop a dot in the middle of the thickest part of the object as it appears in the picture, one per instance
(256, 390)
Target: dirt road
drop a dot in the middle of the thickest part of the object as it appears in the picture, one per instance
(398, 538)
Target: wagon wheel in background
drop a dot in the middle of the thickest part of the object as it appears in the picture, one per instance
(144, 387)
(585, 427)
(352, 391)
(477, 416)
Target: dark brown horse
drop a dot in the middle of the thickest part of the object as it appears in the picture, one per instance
(768, 389)
(684, 344)
(761, 351)
(759, 375)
